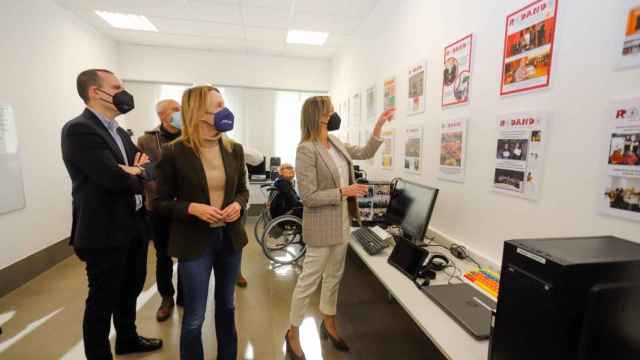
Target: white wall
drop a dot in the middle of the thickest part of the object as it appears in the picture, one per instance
(195, 66)
(43, 49)
(400, 32)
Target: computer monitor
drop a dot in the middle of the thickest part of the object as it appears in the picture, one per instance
(410, 207)
(259, 171)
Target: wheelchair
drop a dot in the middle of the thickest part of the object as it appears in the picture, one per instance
(279, 236)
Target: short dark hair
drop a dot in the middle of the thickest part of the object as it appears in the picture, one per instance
(87, 79)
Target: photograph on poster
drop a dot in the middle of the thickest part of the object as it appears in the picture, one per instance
(371, 104)
(512, 149)
(452, 149)
(510, 180)
(623, 195)
(630, 53)
(456, 78)
(417, 88)
(621, 181)
(356, 108)
(624, 149)
(519, 154)
(413, 150)
(388, 136)
(389, 94)
(528, 47)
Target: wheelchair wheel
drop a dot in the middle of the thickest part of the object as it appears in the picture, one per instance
(282, 240)
(258, 229)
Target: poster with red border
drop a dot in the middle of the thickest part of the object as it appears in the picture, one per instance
(630, 43)
(456, 78)
(620, 194)
(528, 47)
(519, 156)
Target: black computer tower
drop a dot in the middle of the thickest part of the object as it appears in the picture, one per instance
(551, 297)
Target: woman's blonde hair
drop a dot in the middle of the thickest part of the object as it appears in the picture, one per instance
(312, 111)
(194, 107)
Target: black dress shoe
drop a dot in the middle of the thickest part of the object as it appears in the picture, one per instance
(138, 345)
(339, 344)
(291, 355)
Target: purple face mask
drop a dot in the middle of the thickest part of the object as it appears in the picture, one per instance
(223, 120)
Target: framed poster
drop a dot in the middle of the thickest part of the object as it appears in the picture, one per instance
(519, 156)
(413, 150)
(456, 78)
(12, 189)
(417, 88)
(621, 195)
(630, 52)
(388, 149)
(389, 94)
(453, 140)
(371, 104)
(528, 47)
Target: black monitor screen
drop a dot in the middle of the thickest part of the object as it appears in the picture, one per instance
(259, 169)
(410, 207)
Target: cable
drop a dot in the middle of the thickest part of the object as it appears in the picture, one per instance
(474, 261)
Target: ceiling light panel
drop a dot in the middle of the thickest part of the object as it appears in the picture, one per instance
(127, 21)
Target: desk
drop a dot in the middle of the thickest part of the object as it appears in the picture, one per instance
(256, 197)
(450, 338)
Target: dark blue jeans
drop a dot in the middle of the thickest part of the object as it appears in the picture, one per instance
(222, 258)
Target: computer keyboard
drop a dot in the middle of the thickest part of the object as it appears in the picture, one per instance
(486, 280)
(371, 242)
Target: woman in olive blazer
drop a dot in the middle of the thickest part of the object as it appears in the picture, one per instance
(328, 192)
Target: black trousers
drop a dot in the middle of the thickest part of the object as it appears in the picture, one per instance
(116, 277)
(164, 264)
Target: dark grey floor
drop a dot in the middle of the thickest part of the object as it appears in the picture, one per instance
(374, 327)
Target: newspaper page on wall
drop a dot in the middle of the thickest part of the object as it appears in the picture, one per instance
(372, 108)
(413, 150)
(456, 78)
(417, 88)
(630, 51)
(528, 47)
(520, 154)
(389, 94)
(11, 182)
(453, 142)
(388, 148)
(621, 195)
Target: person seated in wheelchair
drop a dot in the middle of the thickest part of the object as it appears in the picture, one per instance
(286, 201)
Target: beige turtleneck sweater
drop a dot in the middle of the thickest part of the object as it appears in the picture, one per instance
(211, 157)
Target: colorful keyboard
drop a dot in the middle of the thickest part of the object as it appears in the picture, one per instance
(486, 280)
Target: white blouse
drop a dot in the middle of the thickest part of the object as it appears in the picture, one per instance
(341, 164)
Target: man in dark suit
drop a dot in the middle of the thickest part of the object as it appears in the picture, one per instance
(107, 232)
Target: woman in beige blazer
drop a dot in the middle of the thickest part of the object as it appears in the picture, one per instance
(328, 192)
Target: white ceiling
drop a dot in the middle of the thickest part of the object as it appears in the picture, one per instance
(247, 26)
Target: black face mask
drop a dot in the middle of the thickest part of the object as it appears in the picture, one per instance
(122, 100)
(334, 122)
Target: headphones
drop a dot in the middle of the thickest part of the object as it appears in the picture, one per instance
(435, 264)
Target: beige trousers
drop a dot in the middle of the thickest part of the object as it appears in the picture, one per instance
(324, 264)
